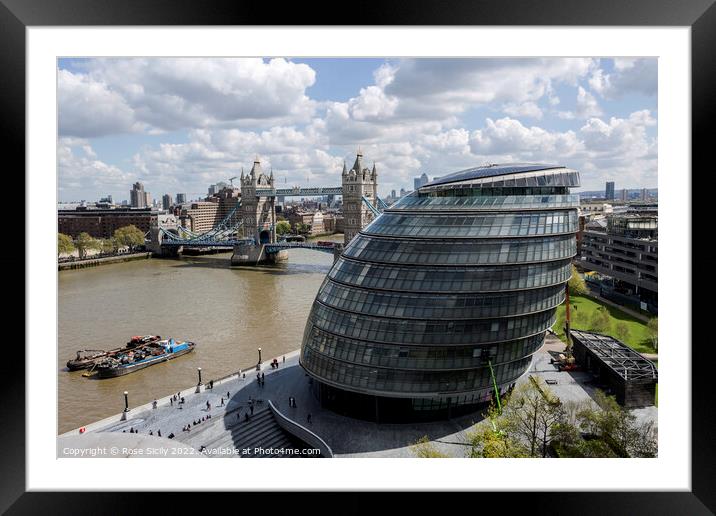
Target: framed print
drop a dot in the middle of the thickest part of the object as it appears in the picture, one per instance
(431, 233)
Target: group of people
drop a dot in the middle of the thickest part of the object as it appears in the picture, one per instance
(187, 428)
(133, 431)
(261, 378)
(176, 398)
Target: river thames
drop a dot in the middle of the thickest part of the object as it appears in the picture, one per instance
(228, 312)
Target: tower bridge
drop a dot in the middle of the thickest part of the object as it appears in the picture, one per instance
(250, 227)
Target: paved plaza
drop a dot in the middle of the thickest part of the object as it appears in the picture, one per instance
(346, 436)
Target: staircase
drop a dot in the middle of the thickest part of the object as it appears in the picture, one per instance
(261, 431)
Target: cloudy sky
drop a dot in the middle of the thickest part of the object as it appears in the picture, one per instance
(179, 125)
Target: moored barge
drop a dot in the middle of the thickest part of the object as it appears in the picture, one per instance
(87, 358)
(145, 356)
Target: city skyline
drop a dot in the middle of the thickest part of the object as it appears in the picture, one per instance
(180, 125)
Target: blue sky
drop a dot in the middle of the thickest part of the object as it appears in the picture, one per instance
(179, 125)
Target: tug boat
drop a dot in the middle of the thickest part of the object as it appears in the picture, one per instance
(87, 358)
(129, 361)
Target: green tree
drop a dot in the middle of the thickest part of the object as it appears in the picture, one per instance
(577, 285)
(84, 243)
(64, 244)
(108, 245)
(601, 320)
(653, 328)
(283, 227)
(531, 413)
(621, 330)
(490, 438)
(130, 236)
(617, 428)
(424, 449)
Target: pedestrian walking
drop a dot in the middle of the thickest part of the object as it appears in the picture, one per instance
(159, 433)
(154, 404)
(308, 418)
(228, 395)
(208, 406)
(252, 409)
(222, 401)
(171, 401)
(284, 359)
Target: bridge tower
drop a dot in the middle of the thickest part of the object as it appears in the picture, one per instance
(358, 182)
(258, 212)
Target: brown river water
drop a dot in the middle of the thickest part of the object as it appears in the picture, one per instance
(228, 312)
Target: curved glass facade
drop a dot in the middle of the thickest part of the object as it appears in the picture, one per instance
(452, 279)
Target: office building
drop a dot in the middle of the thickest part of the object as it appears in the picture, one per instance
(102, 223)
(609, 192)
(138, 197)
(181, 198)
(624, 248)
(166, 201)
(449, 288)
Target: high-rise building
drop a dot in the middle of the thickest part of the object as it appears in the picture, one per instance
(445, 296)
(402, 192)
(609, 191)
(644, 194)
(166, 201)
(181, 198)
(138, 196)
(392, 194)
(420, 181)
(625, 194)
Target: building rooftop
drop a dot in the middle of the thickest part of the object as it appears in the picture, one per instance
(491, 171)
(616, 355)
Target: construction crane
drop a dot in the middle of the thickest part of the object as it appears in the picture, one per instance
(231, 180)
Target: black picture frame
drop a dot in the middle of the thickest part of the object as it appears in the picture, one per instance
(17, 15)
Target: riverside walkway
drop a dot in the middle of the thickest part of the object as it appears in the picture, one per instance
(222, 432)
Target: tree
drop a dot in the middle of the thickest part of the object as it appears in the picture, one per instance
(130, 236)
(577, 285)
(64, 244)
(283, 227)
(84, 243)
(617, 428)
(601, 321)
(652, 328)
(490, 438)
(108, 245)
(621, 330)
(532, 413)
(424, 449)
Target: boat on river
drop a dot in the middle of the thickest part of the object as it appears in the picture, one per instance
(147, 355)
(87, 358)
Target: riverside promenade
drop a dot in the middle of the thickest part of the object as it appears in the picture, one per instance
(347, 437)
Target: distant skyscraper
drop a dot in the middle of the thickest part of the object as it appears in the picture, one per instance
(166, 201)
(625, 194)
(402, 192)
(420, 181)
(392, 194)
(609, 194)
(181, 198)
(138, 196)
(644, 194)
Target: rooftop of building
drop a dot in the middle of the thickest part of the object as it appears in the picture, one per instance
(492, 170)
(617, 356)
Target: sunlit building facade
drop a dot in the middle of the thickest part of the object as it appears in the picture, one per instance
(445, 296)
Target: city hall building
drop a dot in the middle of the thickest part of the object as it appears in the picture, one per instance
(451, 287)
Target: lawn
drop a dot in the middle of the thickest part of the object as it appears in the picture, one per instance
(637, 338)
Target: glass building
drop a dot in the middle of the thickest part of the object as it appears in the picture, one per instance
(451, 287)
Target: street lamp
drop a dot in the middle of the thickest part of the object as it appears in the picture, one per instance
(259, 355)
(126, 401)
(198, 370)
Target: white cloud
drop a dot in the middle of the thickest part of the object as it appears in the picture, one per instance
(170, 94)
(80, 170)
(629, 76)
